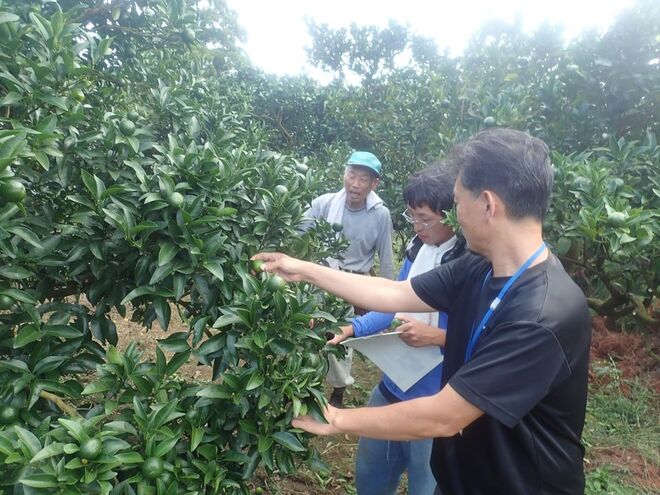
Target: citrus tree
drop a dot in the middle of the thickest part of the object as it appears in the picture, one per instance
(135, 181)
(594, 101)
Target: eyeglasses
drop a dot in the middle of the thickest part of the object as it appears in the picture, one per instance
(423, 225)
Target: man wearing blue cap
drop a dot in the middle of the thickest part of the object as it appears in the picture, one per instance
(367, 225)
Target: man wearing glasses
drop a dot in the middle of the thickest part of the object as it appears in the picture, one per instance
(367, 225)
(380, 463)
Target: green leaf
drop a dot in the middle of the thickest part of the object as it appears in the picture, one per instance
(114, 356)
(264, 443)
(15, 365)
(215, 267)
(167, 252)
(74, 427)
(256, 380)
(196, 438)
(178, 360)
(39, 480)
(140, 291)
(19, 295)
(129, 458)
(56, 101)
(8, 17)
(214, 391)
(120, 427)
(15, 272)
(28, 440)
(225, 320)
(47, 452)
(98, 386)
(25, 234)
(163, 312)
(288, 440)
(48, 364)
(164, 447)
(63, 331)
(177, 342)
(26, 335)
(161, 272)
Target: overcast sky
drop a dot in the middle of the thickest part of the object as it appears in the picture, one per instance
(277, 34)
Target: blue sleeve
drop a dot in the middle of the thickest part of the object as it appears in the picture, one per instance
(374, 322)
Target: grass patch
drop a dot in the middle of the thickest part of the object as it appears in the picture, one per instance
(621, 434)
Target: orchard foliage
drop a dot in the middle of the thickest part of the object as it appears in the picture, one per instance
(143, 161)
(595, 101)
(133, 176)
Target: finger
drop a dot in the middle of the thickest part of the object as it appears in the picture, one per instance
(310, 425)
(406, 327)
(267, 257)
(338, 339)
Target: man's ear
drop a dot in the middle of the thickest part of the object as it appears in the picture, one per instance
(374, 183)
(490, 202)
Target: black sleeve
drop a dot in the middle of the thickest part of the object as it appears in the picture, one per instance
(514, 367)
(439, 287)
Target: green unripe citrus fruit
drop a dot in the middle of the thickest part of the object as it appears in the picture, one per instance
(78, 94)
(489, 122)
(133, 116)
(8, 415)
(127, 127)
(337, 227)
(188, 35)
(91, 449)
(302, 168)
(396, 323)
(616, 219)
(176, 199)
(281, 190)
(12, 191)
(257, 265)
(275, 283)
(153, 467)
(227, 211)
(445, 104)
(6, 302)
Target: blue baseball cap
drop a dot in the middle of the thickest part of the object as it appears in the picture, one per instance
(365, 159)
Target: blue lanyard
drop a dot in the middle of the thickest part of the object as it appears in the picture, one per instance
(474, 335)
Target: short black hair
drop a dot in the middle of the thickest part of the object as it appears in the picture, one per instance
(512, 164)
(433, 187)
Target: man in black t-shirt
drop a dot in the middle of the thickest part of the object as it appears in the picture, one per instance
(509, 417)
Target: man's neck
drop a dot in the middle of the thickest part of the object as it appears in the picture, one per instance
(514, 244)
(360, 205)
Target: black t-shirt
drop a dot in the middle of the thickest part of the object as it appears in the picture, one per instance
(528, 373)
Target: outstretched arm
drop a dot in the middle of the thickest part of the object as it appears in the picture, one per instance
(373, 293)
(441, 415)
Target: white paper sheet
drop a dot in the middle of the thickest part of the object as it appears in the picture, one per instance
(404, 364)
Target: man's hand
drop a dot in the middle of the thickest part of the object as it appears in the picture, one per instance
(347, 331)
(311, 425)
(290, 269)
(418, 334)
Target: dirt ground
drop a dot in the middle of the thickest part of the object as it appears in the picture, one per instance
(630, 352)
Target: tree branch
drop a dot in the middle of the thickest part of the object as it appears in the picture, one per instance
(59, 402)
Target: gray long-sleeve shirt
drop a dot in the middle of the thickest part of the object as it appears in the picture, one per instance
(368, 231)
